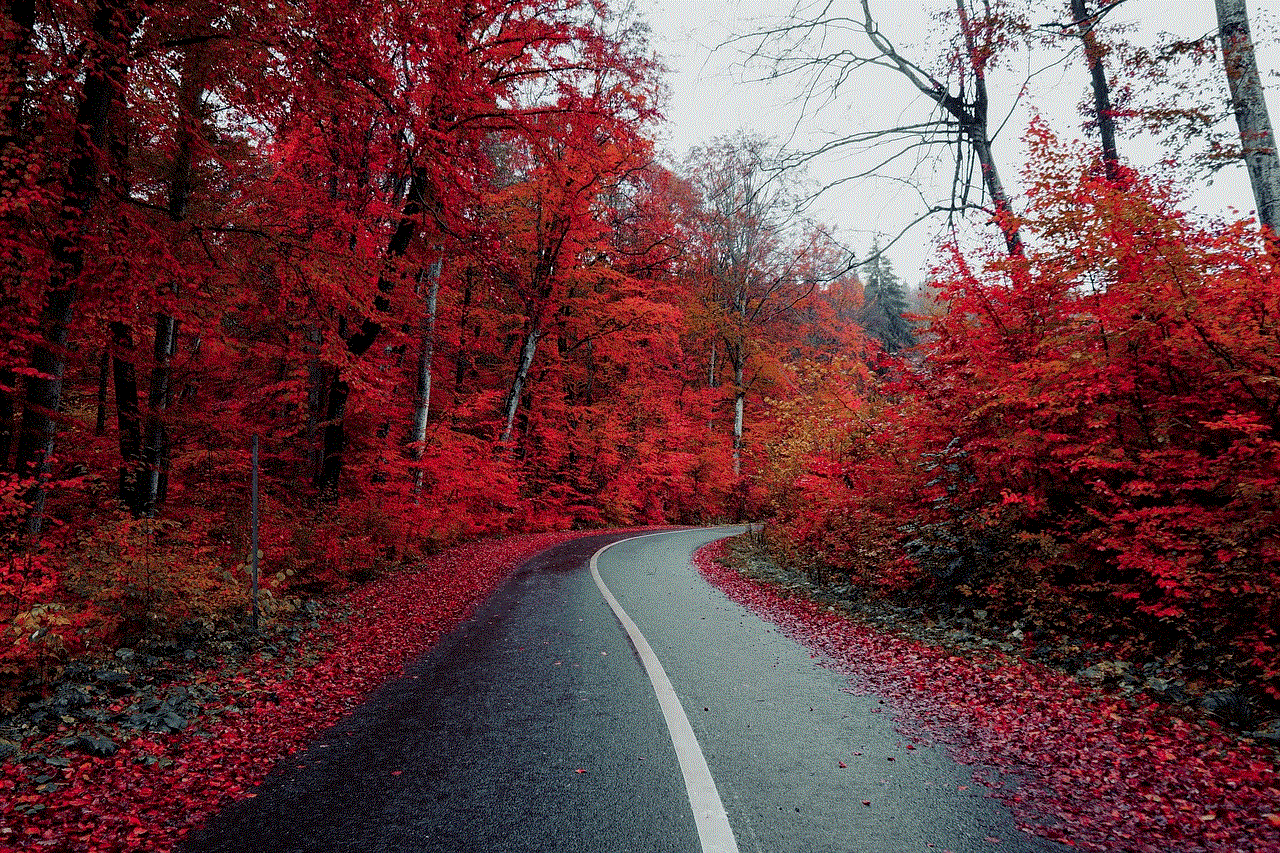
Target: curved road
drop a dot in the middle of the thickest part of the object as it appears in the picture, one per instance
(535, 727)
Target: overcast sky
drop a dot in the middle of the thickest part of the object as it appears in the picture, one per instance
(714, 94)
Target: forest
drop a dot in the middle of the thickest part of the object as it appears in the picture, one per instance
(430, 259)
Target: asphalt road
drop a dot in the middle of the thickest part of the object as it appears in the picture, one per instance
(535, 727)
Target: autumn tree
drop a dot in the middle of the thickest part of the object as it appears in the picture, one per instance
(55, 204)
(756, 259)
(554, 227)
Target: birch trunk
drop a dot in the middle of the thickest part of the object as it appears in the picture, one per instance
(527, 352)
(739, 412)
(1257, 140)
(155, 445)
(423, 409)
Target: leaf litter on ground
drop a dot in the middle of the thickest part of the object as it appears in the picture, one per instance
(1099, 771)
(157, 785)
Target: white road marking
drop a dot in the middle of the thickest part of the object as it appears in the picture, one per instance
(708, 811)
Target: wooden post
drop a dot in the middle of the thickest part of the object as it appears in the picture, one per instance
(253, 538)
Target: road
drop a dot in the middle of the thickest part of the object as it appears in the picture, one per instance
(535, 727)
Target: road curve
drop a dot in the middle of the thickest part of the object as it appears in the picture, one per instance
(535, 727)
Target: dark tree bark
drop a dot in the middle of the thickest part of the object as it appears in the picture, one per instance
(359, 342)
(1084, 22)
(144, 441)
(128, 416)
(422, 407)
(17, 28)
(105, 74)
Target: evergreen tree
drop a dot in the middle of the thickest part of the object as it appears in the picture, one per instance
(884, 303)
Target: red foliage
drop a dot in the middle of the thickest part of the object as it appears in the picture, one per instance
(339, 227)
(157, 787)
(1100, 772)
(1090, 437)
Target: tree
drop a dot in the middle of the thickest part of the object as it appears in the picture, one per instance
(885, 303)
(1085, 23)
(957, 89)
(1257, 140)
(110, 25)
(756, 258)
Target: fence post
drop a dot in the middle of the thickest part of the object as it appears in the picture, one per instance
(253, 538)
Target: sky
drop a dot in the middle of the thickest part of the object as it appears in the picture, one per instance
(716, 91)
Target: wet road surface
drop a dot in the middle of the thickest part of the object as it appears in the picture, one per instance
(534, 727)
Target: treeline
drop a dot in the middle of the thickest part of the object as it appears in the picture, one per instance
(424, 251)
(1086, 439)
(1086, 443)
(428, 255)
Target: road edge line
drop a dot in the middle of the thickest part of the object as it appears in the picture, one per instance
(714, 832)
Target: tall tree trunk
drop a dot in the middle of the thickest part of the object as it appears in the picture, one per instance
(104, 366)
(106, 72)
(995, 189)
(8, 415)
(317, 386)
(155, 447)
(17, 29)
(1101, 91)
(739, 409)
(422, 410)
(527, 352)
(144, 441)
(975, 125)
(460, 361)
(359, 342)
(1257, 140)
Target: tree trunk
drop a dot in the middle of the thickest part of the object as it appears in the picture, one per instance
(527, 352)
(106, 71)
(8, 415)
(1257, 140)
(317, 386)
(155, 448)
(973, 121)
(1101, 90)
(423, 408)
(739, 411)
(104, 365)
(995, 188)
(359, 342)
(16, 29)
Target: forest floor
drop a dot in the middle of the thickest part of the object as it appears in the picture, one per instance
(131, 752)
(1101, 754)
